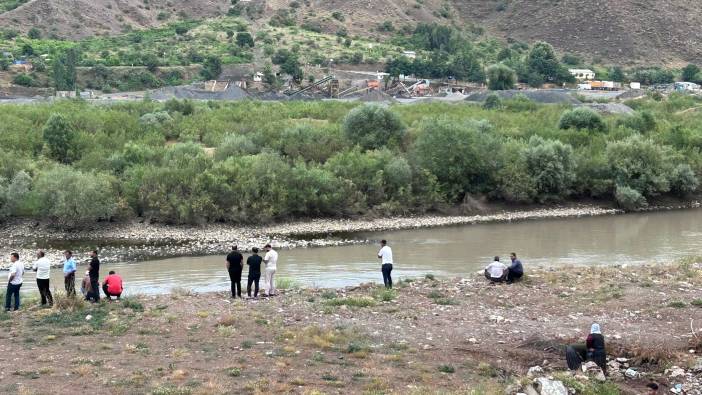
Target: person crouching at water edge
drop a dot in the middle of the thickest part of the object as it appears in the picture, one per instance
(254, 262)
(385, 256)
(496, 272)
(113, 286)
(271, 261)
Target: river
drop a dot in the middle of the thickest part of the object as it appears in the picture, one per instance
(449, 251)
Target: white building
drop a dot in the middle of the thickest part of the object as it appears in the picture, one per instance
(410, 54)
(582, 74)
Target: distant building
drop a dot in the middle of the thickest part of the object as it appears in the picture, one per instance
(410, 54)
(582, 74)
(258, 77)
(635, 85)
(66, 94)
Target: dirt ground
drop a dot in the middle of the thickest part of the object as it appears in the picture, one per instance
(426, 336)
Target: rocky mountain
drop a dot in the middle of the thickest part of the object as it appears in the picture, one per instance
(623, 31)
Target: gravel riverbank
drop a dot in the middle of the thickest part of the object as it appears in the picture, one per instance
(142, 241)
(427, 336)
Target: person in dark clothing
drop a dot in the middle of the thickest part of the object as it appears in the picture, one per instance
(596, 347)
(652, 389)
(235, 264)
(94, 273)
(516, 270)
(254, 262)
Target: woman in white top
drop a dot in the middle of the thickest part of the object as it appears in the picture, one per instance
(43, 268)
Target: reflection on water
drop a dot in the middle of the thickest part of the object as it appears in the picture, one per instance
(451, 251)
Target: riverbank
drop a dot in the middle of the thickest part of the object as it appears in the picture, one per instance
(427, 336)
(124, 242)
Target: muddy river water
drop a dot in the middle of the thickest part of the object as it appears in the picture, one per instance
(450, 251)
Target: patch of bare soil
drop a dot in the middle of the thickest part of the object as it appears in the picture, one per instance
(426, 336)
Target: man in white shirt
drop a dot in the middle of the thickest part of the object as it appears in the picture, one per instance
(496, 272)
(14, 281)
(271, 261)
(385, 255)
(43, 268)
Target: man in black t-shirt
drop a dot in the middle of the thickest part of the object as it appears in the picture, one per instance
(254, 263)
(235, 263)
(94, 273)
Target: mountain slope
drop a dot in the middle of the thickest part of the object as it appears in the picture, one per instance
(622, 31)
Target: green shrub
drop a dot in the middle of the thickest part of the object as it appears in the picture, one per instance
(14, 193)
(72, 198)
(582, 118)
(640, 164)
(59, 139)
(460, 154)
(500, 77)
(373, 126)
(235, 145)
(492, 102)
(629, 198)
(642, 122)
(551, 166)
(23, 80)
(683, 180)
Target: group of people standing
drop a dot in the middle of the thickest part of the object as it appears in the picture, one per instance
(112, 286)
(235, 266)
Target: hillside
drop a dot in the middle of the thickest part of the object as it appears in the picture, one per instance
(624, 32)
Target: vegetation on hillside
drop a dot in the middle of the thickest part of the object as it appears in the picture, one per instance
(181, 162)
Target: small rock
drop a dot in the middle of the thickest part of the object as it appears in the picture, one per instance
(535, 371)
(631, 373)
(550, 387)
(88, 317)
(676, 371)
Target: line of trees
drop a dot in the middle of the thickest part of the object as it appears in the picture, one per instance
(254, 161)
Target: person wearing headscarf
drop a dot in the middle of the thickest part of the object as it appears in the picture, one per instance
(596, 347)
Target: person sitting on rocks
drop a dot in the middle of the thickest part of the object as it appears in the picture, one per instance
(516, 270)
(496, 272)
(112, 285)
(595, 344)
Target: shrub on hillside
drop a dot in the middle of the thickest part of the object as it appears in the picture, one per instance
(373, 126)
(582, 118)
(23, 80)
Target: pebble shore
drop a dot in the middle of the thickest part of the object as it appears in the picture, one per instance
(124, 242)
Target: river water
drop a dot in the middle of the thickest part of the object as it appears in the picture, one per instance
(449, 251)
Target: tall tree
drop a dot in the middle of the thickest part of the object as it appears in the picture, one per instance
(64, 70)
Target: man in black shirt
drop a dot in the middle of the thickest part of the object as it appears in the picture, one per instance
(254, 263)
(94, 273)
(235, 263)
